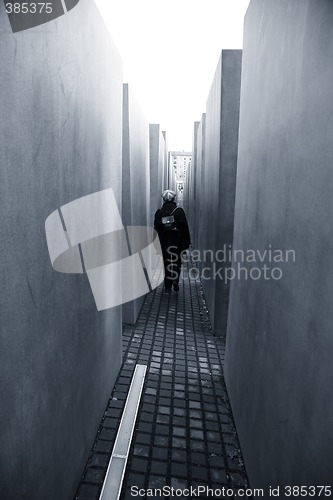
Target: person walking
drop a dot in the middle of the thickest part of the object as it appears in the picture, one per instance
(173, 231)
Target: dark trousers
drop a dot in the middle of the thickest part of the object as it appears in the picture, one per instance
(172, 265)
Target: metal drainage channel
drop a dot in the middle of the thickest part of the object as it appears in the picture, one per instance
(116, 469)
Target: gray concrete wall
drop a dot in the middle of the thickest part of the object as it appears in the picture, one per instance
(166, 160)
(60, 136)
(136, 175)
(157, 167)
(226, 146)
(279, 367)
(190, 183)
(171, 176)
(199, 224)
(217, 183)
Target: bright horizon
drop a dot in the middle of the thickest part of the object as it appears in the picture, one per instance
(170, 52)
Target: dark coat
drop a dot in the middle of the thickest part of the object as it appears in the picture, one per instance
(179, 237)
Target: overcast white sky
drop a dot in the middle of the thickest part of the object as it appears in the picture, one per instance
(170, 50)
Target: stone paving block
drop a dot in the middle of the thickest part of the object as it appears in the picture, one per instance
(197, 434)
(214, 448)
(179, 403)
(197, 445)
(179, 443)
(219, 475)
(99, 460)
(199, 473)
(178, 483)
(110, 423)
(179, 470)
(198, 458)
(179, 455)
(156, 481)
(136, 480)
(107, 434)
(147, 417)
(145, 427)
(94, 475)
(179, 431)
(163, 430)
(161, 441)
(159, 468)
(164, 401)
(148, 407)
(195, 414)
(164, 410)
(103, 446)
(178, 421)
(163, 419)
(143, 438)
(160, 453)
(216, 461)
(141, 450)
(139, 465)
(195, 424)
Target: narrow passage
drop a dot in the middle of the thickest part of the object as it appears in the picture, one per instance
(184, 434)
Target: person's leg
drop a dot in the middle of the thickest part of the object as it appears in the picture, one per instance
(167, 270)
(173, 267)
(177, 269)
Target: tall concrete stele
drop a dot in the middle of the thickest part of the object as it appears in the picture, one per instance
(210, 194)
(158, 167)
(135, 180)
(60, 140)
(279, 368)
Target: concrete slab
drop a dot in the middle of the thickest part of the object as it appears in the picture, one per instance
(157, 157)
(216, 167)
(279, 342)
(136, 180)
(60, 135)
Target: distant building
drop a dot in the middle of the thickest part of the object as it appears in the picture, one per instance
(179, 162)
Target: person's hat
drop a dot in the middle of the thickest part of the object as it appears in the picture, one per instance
(168, 195)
